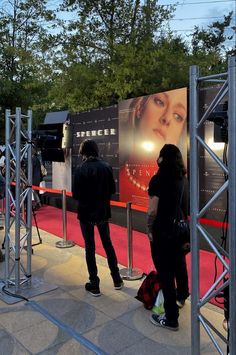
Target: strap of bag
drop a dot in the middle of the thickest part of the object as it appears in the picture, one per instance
(180, 201)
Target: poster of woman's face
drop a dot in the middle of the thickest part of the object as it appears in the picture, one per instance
(145, 124)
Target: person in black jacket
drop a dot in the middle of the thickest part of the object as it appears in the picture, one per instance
(168, 190)
(92, 187)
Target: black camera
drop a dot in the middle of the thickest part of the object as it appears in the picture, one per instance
(52, 139)
(220, 118)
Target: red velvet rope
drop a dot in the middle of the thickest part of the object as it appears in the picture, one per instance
(209, 222)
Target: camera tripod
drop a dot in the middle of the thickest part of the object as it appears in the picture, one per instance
(37, 228)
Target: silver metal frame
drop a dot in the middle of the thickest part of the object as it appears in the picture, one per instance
(64, 243)
(18, 228)
(130, 273)
(227, 259)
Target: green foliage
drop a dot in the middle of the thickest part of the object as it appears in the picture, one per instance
(21, 30)
(213, 39)
(118, 38)
(111, 50)
(74, 88)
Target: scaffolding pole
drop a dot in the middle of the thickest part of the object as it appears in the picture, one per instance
(226, 258)
(18, 282)
(232, 202)
(18, 231)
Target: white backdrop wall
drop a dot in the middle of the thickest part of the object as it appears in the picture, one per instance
(61, 173)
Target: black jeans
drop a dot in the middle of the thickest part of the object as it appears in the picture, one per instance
(171, 266)
(88, 235)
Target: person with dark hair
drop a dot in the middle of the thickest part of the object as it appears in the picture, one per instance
(167, 190)
(93, 186)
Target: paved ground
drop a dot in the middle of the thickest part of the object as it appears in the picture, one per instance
(67, 320)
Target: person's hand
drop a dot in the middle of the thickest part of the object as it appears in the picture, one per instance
(150, 237)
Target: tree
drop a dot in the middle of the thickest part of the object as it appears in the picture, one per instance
(118, 38)
(102, 24)
(22, 28)
(208, 46)
(112, 50)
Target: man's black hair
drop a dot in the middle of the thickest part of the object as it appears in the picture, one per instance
(89, 148)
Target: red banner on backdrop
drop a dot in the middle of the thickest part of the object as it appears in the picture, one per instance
(145, 124)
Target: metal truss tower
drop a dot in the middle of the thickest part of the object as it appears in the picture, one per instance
(227, 258)
(18, 219)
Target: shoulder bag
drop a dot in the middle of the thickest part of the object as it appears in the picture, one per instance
(148, 290)
(181, 230)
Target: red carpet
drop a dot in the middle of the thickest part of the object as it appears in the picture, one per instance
(50, 219)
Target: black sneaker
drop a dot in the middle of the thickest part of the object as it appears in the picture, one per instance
(180, 303)
(93, 290)
(161, 321)
(118, 285)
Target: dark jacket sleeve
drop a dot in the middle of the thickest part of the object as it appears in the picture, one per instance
(76, 184)
(112, 183)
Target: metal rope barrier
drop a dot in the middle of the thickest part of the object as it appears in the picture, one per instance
(64, 243)
(130, 273)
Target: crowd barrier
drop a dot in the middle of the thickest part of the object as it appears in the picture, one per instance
(128, 273)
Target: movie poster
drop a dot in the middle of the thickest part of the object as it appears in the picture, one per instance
(145, 124)
(100, 125)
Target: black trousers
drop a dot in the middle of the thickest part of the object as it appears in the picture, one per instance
(171, 266)
(88, 235)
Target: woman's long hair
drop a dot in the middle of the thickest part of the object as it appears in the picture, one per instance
(137, 108)
(170, 162)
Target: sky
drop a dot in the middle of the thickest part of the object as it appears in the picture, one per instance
(190, 13)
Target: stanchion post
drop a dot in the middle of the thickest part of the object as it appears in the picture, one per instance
(129, 273)
(130, 236)
(64, 243)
